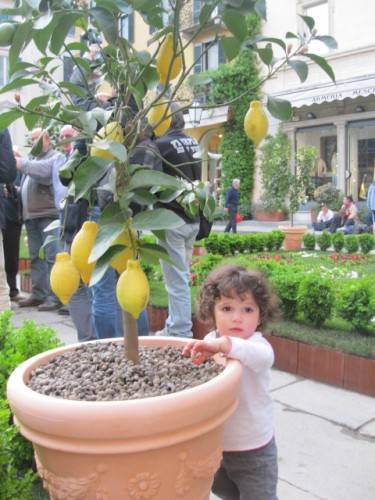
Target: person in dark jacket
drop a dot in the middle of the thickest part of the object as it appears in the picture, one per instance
(231, 205)
(177, 150)
(8, 174)
(11, 235)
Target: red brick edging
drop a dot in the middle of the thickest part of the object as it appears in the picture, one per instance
(349, 371)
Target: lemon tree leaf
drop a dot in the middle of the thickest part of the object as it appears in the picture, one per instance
(160, 218)
(151, 253)
(106, 236)
(236, 23)
(88, 174)
(320, 61)
(231, 47)
(146, 178)
(300, 67)
(279, 108)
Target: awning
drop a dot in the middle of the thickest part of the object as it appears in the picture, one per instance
(329, 92)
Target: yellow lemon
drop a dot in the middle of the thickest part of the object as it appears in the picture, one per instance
(167, 61)
(64, 277)
(82, 245)
(256, 123)
(119, 261)
(111, 132)
(154, 116)
(132, 289)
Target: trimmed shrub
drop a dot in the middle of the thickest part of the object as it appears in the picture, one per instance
(278, 239)
(236, 243)
(260, 242)
(16, 475)
(218, 243)
(366, 242)
(274, 240)
(338, 241)
(356, 304)
(315, 299)
(16, 454)
(351, 243)
(324, 241)
(286, 283)
(309, 241)
(204, 265)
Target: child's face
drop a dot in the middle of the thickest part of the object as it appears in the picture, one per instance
(236, 316)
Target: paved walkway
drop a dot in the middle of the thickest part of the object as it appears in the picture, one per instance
(325, 435)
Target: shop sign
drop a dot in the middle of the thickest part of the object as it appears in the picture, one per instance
(339, 96)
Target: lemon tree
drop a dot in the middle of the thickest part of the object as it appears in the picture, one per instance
(141, 87)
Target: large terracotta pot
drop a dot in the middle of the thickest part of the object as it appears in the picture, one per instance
(161, 448)
(293, 236)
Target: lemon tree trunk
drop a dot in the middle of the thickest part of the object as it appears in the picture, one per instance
(130, 337)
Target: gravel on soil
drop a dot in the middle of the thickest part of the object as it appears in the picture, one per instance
(101, 372)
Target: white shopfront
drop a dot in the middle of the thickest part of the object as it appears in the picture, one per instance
(339, 121)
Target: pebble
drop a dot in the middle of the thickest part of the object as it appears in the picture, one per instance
(101, 372)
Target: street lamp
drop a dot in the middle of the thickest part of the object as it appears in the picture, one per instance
(195, 113)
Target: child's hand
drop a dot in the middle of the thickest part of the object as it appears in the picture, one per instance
(201, 350)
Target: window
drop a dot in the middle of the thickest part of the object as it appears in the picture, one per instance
(213, 56)
(321, 12)
(165, 16)
(324, 139)
(3, 70)
(361, 171)
(197, 7)
(127, 25)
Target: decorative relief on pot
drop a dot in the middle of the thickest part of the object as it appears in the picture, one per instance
(196, 469)
(68, 488)
(144, 485)
(102, 494)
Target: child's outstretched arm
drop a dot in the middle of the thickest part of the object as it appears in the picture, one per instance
(200, 350)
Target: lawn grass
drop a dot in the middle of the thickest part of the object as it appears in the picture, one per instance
(159, 296)
(24, 251)
(336, 333)
(348, 341)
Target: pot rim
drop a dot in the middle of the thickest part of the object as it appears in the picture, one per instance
(128, 423)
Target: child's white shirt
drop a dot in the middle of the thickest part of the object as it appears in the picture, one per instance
(251, 425)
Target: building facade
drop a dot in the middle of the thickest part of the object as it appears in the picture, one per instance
(338, 119)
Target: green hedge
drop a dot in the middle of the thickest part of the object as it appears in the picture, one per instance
(230, 244)
(351, 243)
(16, 454)
(306, 294)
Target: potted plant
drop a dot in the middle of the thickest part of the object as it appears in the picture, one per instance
(329, 195)
(169, 445)
(299, 185)
(275, 178)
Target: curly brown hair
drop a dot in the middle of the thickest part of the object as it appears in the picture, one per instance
(236, 281)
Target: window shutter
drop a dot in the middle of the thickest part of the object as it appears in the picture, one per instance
(221, 53)
(131, 27)
(197, 10)
(197, 58)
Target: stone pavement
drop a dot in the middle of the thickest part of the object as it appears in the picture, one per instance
(255, 226)
(325, 435)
